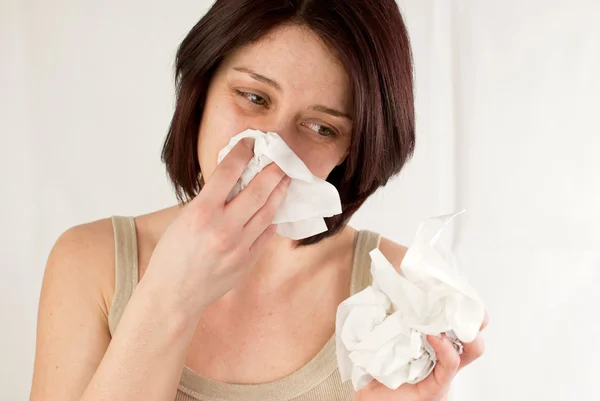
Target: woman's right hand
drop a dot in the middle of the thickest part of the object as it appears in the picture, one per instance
(211, 245)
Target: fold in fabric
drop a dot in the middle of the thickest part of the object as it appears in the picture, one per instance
(309, 198)
(381, 331)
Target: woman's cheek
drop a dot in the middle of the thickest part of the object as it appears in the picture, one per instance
(223, 124)
(321, 164)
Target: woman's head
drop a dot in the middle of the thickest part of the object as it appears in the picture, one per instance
(287, 82)
(333, 78)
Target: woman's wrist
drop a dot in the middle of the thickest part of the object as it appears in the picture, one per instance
(180, 314)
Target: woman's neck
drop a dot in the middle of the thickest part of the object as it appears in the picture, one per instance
(283, 265)
(280, 264)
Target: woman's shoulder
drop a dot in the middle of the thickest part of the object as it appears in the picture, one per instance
(87, 253)
(86, 238)
(81, 266)
(82, 260)
(393, 251)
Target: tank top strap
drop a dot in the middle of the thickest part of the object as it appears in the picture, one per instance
(366, 241)
(126, 267)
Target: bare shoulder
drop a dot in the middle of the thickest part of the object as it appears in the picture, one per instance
(393, 251)
(83, 259)
(85, 239)
(72, 323)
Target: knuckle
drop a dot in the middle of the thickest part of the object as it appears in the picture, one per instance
(454, 361)
(479, 348)
(200, 217)
(257, 195)
(222, 239)
(228, 171)
(264, 219)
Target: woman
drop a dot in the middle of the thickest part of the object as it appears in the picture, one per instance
(225, 309)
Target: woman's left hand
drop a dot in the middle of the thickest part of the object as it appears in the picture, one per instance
(436, 386)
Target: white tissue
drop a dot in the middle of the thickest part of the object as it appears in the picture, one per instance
(380, 331)
(308, 199)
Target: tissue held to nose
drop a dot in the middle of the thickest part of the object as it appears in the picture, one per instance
(381, 331)
(308, 200)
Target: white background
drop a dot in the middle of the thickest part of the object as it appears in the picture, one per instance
(508, 110)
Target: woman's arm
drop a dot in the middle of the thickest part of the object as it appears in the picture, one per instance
(75, 357)
(207, 249)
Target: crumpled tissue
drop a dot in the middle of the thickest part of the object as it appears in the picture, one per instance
(308, 199)
(380, 331)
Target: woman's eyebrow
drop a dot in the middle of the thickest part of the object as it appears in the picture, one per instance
(258, 77)
(328, 110)
(274, 84)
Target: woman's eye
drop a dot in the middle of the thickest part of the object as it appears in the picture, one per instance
(254, 98)
(322, 129)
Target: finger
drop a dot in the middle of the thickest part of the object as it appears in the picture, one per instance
(263, 218)
(446, 367)
(259, 245)
(255, 195)
(472, 351)
(226, 174)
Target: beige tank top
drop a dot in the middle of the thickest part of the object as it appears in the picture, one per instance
(318, 380)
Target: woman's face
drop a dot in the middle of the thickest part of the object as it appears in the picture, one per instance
(287, 82)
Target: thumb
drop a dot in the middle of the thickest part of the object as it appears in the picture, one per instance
(446, 366)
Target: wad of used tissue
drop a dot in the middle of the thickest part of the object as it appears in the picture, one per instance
(380, 331)
(308, 198)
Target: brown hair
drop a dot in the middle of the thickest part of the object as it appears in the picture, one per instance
(369, 38)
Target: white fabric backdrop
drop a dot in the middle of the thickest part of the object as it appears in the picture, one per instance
(508, 128)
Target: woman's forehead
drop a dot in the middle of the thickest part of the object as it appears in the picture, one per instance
(296, 59)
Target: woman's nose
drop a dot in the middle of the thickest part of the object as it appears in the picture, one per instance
(285, 128)
(289, 133)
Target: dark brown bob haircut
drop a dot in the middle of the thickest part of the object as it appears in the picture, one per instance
(369, 38)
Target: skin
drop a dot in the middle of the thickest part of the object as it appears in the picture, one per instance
(213, 294)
